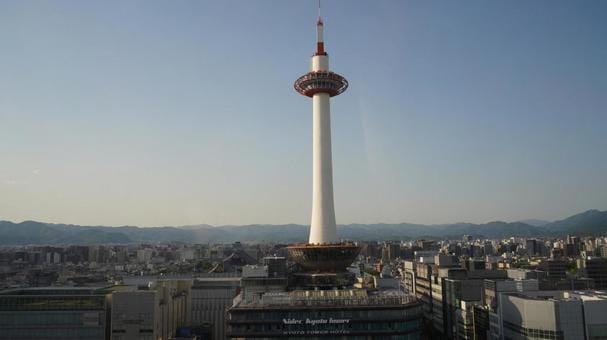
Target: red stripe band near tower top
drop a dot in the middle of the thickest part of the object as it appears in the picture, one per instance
(320, 48)
(320, 41)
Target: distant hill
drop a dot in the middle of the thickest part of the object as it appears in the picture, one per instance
(591, 222)
(535, 222)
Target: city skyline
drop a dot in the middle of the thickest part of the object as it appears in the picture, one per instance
(178, 114)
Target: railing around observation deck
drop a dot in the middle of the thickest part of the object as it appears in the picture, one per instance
(321, 81)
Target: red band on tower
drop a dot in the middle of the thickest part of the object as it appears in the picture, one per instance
(320, 48)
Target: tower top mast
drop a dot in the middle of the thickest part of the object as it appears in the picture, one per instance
(320, 41)
(319, 17)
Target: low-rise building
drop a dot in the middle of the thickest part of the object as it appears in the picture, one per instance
(211, 296)
(152, 313)
(54, 313)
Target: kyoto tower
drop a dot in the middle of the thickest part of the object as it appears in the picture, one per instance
(323, 260)
(321, 84)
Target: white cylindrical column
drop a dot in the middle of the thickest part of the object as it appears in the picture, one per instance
(322, 227)
(320, 63)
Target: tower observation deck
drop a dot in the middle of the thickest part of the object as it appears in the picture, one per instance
(323, 259)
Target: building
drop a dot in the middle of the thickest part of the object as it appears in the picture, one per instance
(595, 268)
(447, 290)
(455, 288)
(526, 274)
(117, 312)
(211, 296)
(418, 281)
(469, 324)
(134, 313)
(595, 318)
(151, 313)
(54, 313)
(554, 315)
(268, 307)
(256, 282)
(481, 323)
(492, 290)
(555, 269)
(408, 276)
(355, 313)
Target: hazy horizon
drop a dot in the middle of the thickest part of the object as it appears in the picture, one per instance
(155, 113)
(306, 224)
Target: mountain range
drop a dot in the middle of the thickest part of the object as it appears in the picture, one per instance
(591, 222)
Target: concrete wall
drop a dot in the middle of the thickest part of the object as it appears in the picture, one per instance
(210, 299)
(595, 315)
(134, 314)
(542, 311)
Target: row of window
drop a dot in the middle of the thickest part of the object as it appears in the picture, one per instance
(46, 318)
(53, 333)
(371, 326)
(14, 303)
(336, 314)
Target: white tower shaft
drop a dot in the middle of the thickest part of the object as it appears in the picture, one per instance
(322, 227)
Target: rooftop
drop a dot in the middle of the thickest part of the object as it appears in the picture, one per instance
(559, 295)
(335, 297)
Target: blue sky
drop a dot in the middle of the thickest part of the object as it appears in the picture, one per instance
(182, 112)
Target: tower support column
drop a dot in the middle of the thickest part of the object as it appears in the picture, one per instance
(322, 227)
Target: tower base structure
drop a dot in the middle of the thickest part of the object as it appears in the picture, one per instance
(323, 266)
(340, 280)
(334, 257)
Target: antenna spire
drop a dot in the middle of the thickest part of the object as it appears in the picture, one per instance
(320, 40)
(319, 17)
